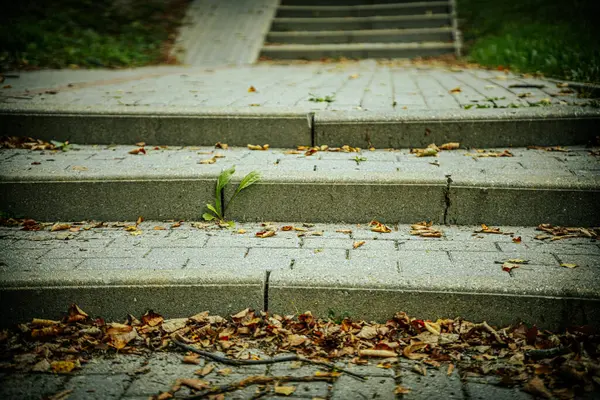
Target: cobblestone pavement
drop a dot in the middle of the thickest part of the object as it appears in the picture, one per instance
(394, 88)
(139, 377)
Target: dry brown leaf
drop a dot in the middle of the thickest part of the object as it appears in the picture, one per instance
(346, 231)
(424, 229)
(367, 332)
(358, 244)
(62, 367)
(60, 227)
(487, 229)
(258, 147)
(516, 239)
(76, 314)
(537, 387)
(265, 234)
(507, 267)
(196, 384)
(251, 89)
(450, 369)
(455, 90)
(376, 353)
(225, 371)
(420, 369)
(569, 265)
(433, 327)
(141, 150)
(410, 351)
(159, 228)
(205, 371)
(377, 226)
(285, 390)
(401, 390)
(450, 146)
(220, 145)
(287, 228)
(429, 151)
(211, 160)
(79, 168)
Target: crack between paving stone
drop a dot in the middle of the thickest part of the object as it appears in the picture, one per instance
(266, 291)
(311, 123)
(447, 198)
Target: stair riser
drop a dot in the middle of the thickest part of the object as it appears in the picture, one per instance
(317, 54)
(316, 25)
(316, 13)
(344, 2)
(360, 38)
(307, 201)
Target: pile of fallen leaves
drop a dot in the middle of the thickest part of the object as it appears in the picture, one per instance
(548, 364)
(560, 232)
(22, 142)
(309, 151)
(432, 150)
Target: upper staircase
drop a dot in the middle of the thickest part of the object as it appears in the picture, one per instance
(312, 30)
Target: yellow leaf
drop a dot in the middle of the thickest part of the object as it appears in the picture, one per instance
(224, 371)
(379, 227)
(376, 353)
(159, 228)
(241, 231)
(401, 390)
(285, 390)
(265, 234)
(356, 245)
(60, 227)
(62, 367)
(450, 146)
(433, 327)
(135, 233)
(251, 89)
(569, 265)
(211, 160)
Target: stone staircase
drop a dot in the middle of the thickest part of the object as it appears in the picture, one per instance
(357, 29)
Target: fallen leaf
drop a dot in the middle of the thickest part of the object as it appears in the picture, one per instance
(285, 390)
(420, 369)
(455, 90)
(424, 229)
(450, 146)
(487, 229)
(251, 89)
(516, 239)
(258, 147)
(41, 366)
(353, 76)
(401, 390)
(76, 314)
(205, 371)
(410, 351)
(358, 244)
(62, 367)
(211, 160)
(193, 359)
(450, 369)
(79, 168)
(141, 150)
(376, 353)
(569, 265)
(367, 332)
(172, 325)
(287, 228)
(220, 145)
(346, 231)
(377, 226)
(241, 231)
(196, 384)
(140, 144)
(265, 234)
(159, 228)
(507, 267)
(536, 387)
(152, 319)
(60, 227)
(429, 151)
(433, 327)
(225, 371)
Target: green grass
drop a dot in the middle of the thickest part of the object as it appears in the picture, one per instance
(556, 38)
(88, 33)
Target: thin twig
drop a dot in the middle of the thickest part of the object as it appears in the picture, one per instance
(292, 357)
(484, 326)
(257, 380)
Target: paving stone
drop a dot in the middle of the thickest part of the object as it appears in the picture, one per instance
(119, 364)
(30, 386)
(98, 386)
(487, 391)
(347, 387)
(436, 384)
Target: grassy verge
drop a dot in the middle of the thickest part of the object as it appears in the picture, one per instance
(553, 37)
(88, 33)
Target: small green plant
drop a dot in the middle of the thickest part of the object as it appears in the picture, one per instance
(337, 318)
(359, 159)
(326, 99)
(219, 209)
(63, 146)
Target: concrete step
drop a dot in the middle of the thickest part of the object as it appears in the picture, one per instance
(179, 271)
(356, 50)
(368, 10)
(344, 2)
(358, 23)
(364, 36)
(457, 187)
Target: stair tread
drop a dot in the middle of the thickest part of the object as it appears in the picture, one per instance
(356, 46)
(365, 6)
(363, 32)
(377, 18)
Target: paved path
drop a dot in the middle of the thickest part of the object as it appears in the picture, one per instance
(393, 88)
(224, 32)
(138, 377)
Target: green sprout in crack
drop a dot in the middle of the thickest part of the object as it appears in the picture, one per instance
(217, 211)
(326, 99)
(359, 159)
(63, 146)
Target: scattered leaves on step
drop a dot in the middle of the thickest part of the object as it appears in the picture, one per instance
(358, 244)
(430, 151)
(251, 89)
(455, 90)
(265, 234)
(450, 146)
(401, 390)
(140, 150)
(309, 151)
(24, 142)
(549, 148)
(569, 265)
(425, 229)
(285, 390)
(258, 147)
(310, 233)
(560, 232)
(220, 145)
(488, 229)
(377, 226)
